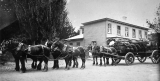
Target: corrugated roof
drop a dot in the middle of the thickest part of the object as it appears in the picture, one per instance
(113, 20)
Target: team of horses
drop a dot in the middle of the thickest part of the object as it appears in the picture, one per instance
(41, 53)
(59, 50)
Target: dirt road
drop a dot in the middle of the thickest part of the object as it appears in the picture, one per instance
(136, 72)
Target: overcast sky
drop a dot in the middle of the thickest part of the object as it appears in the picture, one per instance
(136, 11)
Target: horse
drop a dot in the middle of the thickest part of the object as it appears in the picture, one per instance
(12, 47)
(41, 52)
(20, 53)
(55, 53)
(111, 51)
(97, 52)
(70, 53)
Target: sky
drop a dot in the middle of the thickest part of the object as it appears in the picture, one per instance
(135, 11)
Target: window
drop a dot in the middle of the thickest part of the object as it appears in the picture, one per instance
(109, 28)
(70, 43)
(140, 34)
(133, 33)
(118, 30)
(126, 32)
(78, 43)
(146, 36)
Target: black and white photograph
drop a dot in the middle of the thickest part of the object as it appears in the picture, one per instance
(79, 40)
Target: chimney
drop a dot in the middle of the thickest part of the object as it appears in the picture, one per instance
(81, 30)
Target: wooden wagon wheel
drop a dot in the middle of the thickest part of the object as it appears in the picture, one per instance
(129, 58)
(142, 59)
(155, 57)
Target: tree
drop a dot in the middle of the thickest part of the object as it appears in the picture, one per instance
(155, 25)
(41, 19)
(67, 31)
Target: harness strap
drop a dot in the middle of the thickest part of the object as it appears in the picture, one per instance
(43, 52)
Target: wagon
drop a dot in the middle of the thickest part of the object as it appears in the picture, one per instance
(129, 49)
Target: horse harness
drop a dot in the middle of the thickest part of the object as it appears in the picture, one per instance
(42, 46)
(68, 50)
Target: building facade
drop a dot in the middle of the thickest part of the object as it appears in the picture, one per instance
(99, 30)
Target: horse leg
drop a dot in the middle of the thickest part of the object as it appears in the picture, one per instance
(23, 68)
(66, 61)
(40, 64)
(34, 63)
(104, 61)
(54, 64)
(93, 60)
(83, 60)
(113, 62)
(46, 64)
(17, 64)
(107, 61)
(100, 61)
(57, 64)
(96, 60)
(74, 62)
(69, 62)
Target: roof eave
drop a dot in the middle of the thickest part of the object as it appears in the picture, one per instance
(109, 19)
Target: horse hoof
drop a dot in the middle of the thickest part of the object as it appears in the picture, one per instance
(45, 70)
(17, 69)
(53, 67)
(82, 67)
(23, 71)
(57, 68)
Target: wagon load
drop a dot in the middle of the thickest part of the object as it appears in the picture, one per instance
(129, 48)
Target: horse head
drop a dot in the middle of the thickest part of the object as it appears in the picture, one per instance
(57, 44)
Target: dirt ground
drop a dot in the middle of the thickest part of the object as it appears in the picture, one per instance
(136, 72)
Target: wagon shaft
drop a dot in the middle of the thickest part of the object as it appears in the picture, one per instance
(113, 55)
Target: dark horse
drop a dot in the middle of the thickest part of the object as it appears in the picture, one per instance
(55, 53)
(70, 53)
(12, 47)
(99, 51)
(21, 52)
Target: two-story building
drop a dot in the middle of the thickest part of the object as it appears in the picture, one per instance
(101, 29)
